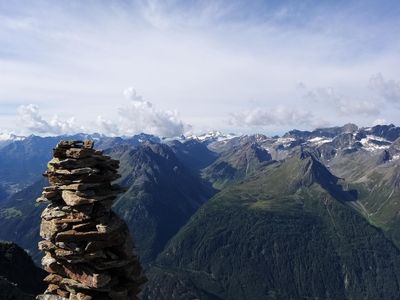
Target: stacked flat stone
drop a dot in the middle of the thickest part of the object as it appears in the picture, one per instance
(88, 249)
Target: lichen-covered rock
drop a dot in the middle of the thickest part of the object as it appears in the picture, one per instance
(88, 249)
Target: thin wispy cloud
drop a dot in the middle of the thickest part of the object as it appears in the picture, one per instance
(389, 90)
(342, 104)
(271, 117)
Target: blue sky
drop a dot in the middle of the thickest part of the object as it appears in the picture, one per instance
(172, 67)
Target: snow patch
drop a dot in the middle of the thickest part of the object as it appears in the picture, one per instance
(285, 141)
(396, 157)
(10, 137)
(370, 146)
(319, 140)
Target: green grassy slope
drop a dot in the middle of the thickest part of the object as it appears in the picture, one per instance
(378, 185)
(284, 233)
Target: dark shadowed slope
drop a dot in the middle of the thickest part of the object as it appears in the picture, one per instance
(20, 218)
(23, 162)
(19, 277)
(162, 194)
(193, 154)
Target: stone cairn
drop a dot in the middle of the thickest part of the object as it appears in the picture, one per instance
(88, 249)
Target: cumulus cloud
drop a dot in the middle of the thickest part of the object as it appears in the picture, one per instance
(130, 94)
(32, 120)
(137, 116)
(389, 90)
(278, 116)
(140, 115)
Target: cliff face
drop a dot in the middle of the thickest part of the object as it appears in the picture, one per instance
(19, 277)
(88, 250)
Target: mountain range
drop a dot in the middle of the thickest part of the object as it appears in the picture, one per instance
(306, 215)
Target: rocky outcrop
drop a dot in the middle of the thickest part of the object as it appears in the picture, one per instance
(88, 249)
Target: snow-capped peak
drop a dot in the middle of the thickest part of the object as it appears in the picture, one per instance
(212, 135)
(10, 137)
(7, 138)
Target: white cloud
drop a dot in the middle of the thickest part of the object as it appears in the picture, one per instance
(32, 120)
(143, 117)
(130, 94)
(135, 117)
(387, 89)
(139, 116)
